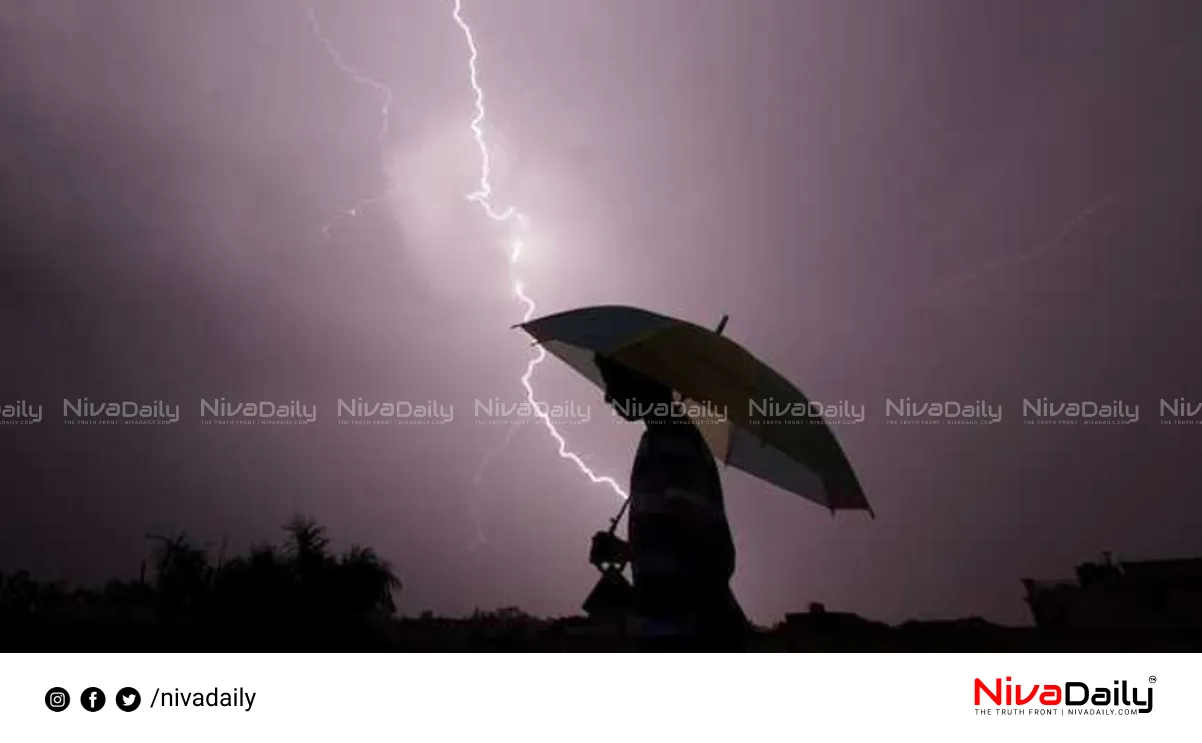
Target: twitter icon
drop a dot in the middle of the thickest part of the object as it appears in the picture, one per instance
(128, 699)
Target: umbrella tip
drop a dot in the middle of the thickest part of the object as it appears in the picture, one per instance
(722, 323)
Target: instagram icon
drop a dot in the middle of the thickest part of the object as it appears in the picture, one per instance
(57, 699)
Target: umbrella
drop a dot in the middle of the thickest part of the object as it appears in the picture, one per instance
(748, 413)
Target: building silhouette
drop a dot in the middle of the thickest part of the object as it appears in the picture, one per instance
(1161, 595)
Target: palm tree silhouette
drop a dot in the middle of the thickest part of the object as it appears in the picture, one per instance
(182, 574)
(367, 582)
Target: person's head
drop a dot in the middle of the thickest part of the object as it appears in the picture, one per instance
(632, 394)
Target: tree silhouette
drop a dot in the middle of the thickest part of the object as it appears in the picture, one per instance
(299, 595)
(307, 543)
(366, 582)
(182, 574)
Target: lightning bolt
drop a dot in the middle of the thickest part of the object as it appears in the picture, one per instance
(386, 96)
(1038, 251)
(518, 225)
(491, 454)
(478, 478)
(515, 221)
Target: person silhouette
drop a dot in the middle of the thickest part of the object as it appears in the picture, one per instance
(680, 548)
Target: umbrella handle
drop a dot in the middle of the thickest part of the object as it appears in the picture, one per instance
(613, 523)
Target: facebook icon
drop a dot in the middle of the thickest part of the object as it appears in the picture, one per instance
(93, 699)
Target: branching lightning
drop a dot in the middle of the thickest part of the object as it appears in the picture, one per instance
(513, 220)
(518, 225)
(493, 453)
(386, 96)
(1038, 251)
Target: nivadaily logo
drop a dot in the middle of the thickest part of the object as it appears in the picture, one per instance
(1072, 698)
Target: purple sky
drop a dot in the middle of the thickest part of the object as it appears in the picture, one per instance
(935, 200)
